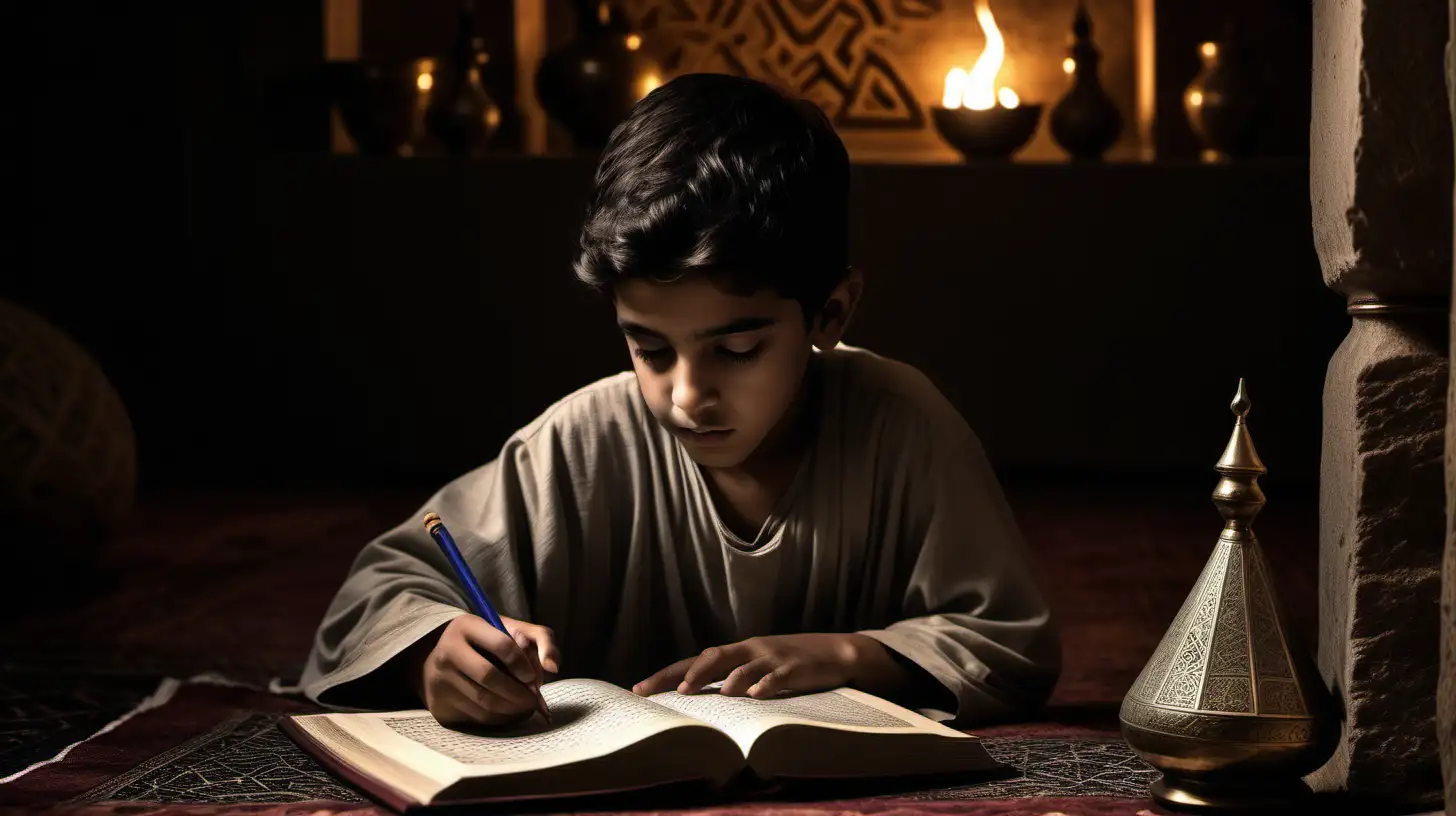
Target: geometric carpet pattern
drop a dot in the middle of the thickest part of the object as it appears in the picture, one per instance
(247, 759)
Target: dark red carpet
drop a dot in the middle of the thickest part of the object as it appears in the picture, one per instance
(235, 584)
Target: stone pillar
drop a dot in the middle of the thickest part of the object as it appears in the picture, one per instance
(1381, 192)
(1446, 695)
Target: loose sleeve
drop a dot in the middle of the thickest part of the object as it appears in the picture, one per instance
(973, 617)
(515, 520)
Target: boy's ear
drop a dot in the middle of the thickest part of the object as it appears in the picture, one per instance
(837, 312)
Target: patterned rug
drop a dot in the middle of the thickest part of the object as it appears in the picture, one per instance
(247, 759)
(210, 559)
(220, 746)
(42, 712)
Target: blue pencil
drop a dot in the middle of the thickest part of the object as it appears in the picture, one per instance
(474, 593)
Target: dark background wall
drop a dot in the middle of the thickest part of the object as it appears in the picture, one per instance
(272, 314)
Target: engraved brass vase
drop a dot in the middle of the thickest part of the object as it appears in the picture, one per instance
(1230, 707)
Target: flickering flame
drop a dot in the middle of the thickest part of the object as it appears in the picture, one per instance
(1069, 66)
(977, 90)
(1209, 49)
(981, 84)
(634, 42)
(425, 81)
(955, 88)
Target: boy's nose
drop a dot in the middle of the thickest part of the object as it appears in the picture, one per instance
(692, 395)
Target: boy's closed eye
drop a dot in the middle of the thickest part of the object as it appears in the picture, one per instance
(737, 341)
(733, 350)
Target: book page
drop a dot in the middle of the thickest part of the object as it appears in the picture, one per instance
(745, 718)
(591, 719)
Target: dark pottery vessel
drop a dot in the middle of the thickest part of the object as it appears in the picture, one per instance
(460, 116)
(1223, 108)
(1086, 122)
(380, 102)
(995, 133)
(589, 85)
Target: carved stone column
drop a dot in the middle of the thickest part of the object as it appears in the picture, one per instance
(1381, 191)
(1446, 696)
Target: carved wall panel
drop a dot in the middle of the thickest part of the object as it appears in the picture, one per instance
(876, 66)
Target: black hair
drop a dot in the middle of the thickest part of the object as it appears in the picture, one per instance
(725, 176)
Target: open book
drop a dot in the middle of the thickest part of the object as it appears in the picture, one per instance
(607, 739)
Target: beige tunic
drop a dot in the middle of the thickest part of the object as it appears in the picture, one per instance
(594, 521)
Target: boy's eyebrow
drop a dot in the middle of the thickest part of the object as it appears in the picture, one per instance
(743, 324)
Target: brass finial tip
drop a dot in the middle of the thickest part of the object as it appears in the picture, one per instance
(1241, 404)
(431, 519)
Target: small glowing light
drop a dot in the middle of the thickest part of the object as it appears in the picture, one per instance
(1069, 65)
(634, 42)
(955, 87)
(1195, 98)
(590, 67)
(1208, 49)
(425, 81)
(1008, 98)
(650, 81)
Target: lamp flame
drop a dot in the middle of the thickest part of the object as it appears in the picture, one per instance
(955, 88)
(981, 84)
(977, 90)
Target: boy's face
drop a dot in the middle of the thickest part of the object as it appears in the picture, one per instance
(719, 371)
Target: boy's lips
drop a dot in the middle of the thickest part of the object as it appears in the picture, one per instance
(705, 435)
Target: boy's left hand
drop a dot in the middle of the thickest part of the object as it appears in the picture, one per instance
(762, 667)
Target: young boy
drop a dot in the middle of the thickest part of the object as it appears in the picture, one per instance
(755, 503)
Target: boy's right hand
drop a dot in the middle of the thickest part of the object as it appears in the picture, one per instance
(458, 683)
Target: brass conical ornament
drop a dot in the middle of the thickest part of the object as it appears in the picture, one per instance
(1230, 707)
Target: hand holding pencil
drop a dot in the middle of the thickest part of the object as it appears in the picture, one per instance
(482, 669)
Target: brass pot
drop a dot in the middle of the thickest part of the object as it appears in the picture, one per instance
(1231, 707)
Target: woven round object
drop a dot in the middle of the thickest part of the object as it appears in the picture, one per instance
(67, 449)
